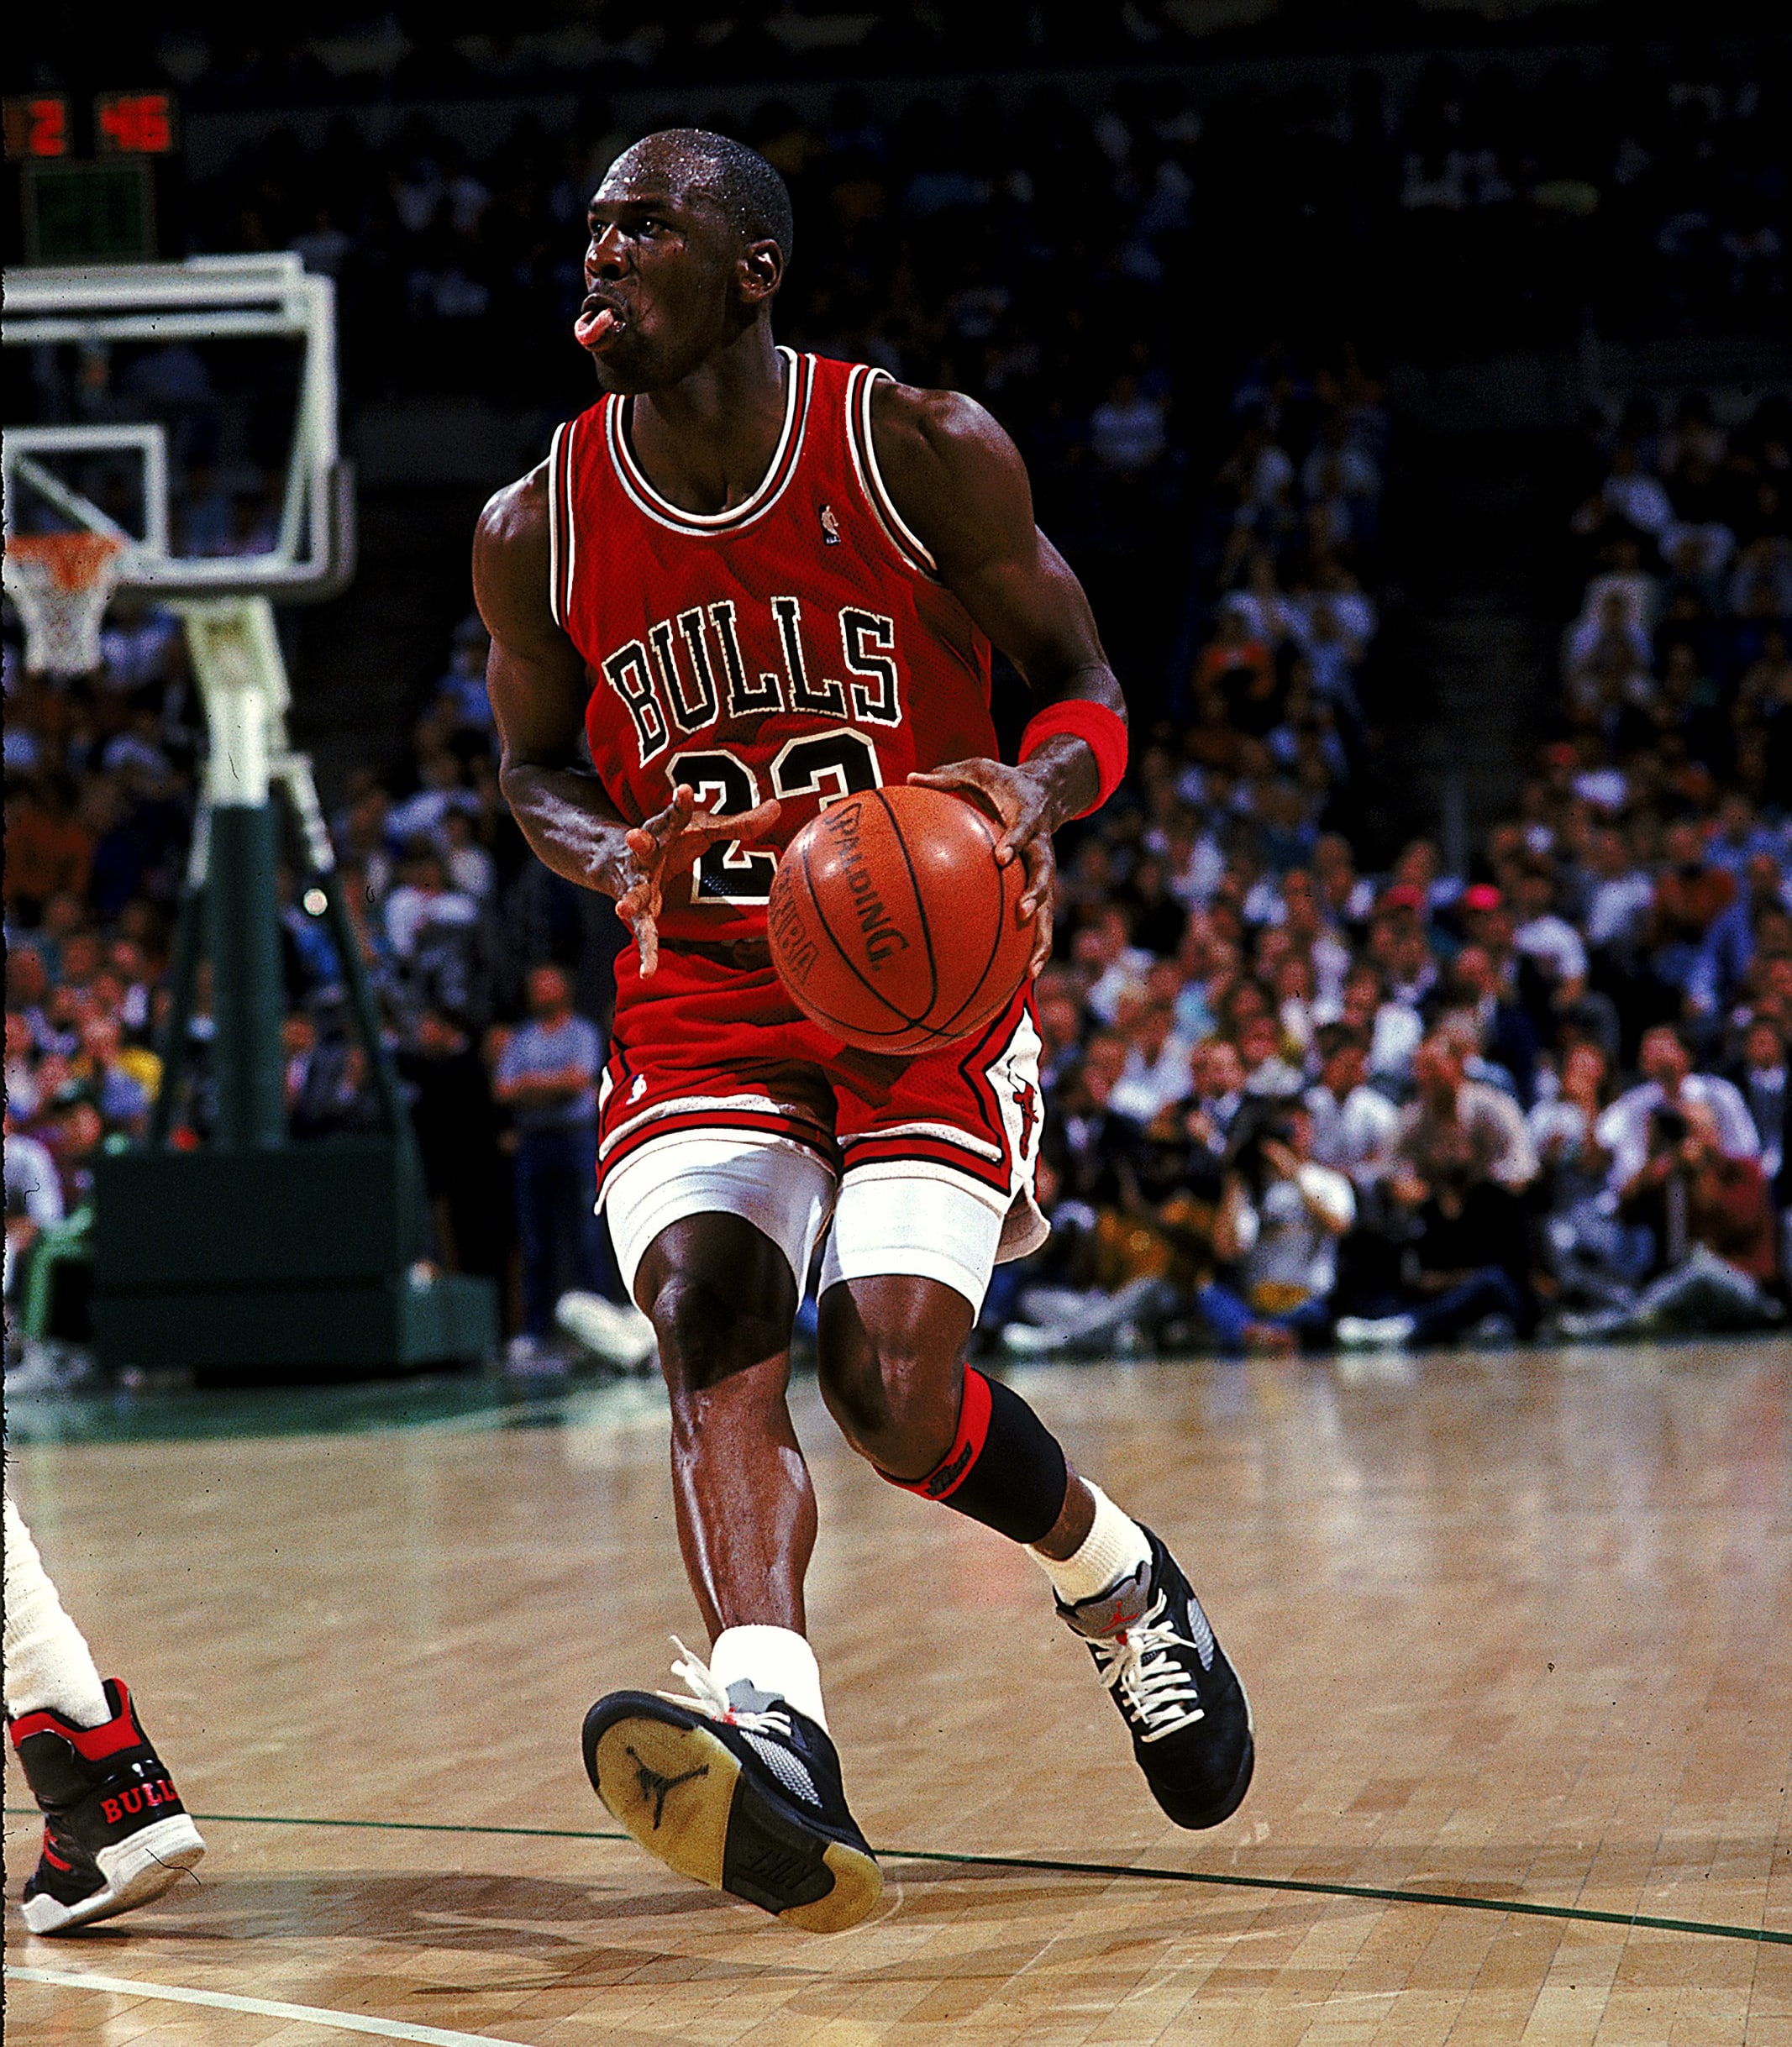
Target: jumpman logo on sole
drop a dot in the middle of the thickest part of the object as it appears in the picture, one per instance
(657, 1787)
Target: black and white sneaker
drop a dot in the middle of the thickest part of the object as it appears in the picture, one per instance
(1182, 1702)
(115, 1832)
(737, 1789)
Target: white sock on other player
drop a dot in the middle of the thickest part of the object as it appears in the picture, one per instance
(48, 1662)
(770, 1660)
(1114, 1548)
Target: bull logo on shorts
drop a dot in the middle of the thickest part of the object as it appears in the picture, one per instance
(1026, 1099)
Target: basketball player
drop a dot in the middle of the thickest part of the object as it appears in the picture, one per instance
(752, 581)
(115, 1832)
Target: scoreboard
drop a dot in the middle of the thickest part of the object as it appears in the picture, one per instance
(88, 176)
(40, 126)
(133, 124)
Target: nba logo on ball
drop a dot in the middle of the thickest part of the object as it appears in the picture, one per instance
(792, 941)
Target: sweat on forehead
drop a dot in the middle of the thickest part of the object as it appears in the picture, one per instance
(693, 162)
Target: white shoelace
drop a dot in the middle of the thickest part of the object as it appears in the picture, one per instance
(1153, 1687)
(708, 1697)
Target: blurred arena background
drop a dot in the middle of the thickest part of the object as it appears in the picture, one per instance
(1410, 383)
(1409, 387)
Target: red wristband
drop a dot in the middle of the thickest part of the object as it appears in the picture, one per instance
(1105, 731)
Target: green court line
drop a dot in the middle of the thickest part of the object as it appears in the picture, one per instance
(1143, 1873)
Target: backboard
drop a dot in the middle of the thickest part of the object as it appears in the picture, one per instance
(187, 410)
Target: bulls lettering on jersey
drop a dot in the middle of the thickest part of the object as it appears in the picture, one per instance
(798, 645)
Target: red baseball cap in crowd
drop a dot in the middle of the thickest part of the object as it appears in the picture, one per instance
(1483, 895)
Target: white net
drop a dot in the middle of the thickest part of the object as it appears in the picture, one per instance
(60, 583)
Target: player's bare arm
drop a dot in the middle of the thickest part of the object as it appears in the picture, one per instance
(536, 681)
(960, 484)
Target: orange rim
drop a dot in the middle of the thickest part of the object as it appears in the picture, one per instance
(76, 561)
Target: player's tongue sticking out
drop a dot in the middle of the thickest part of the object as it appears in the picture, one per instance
(592, 327)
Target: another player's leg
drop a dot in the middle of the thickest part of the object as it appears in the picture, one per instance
(904, 1277)
(738, 1784)
(115, 1832)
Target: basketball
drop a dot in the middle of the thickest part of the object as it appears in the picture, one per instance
(892, 926)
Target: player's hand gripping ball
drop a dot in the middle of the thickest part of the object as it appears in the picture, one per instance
(892, 924)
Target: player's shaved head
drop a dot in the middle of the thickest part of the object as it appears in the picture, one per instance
(738, 180)
(689, 234)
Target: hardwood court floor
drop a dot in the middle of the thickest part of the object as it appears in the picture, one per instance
(1517, 1630)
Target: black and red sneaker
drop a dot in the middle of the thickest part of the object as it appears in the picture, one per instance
(115, 1832)
(737, 1789)
(1182, 1702)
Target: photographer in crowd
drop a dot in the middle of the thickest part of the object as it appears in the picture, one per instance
(1464, 1163)
(1280, 1221)
(1710, 1223)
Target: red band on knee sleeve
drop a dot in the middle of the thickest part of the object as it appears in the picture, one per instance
(967, 1444)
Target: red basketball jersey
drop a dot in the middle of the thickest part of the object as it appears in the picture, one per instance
(799, 645)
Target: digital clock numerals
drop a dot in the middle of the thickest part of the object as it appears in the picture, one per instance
(37, 126)
(40, 126)
(133, 124)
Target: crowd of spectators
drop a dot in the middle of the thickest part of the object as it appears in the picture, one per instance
(1294, 1103)
(462, 938)
(1081, 253)
(1090, 255)
(939, 235)
(1295, 1100)
(1298, 1104)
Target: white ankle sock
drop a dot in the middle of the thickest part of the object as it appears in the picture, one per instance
(771, 1660)
(1114, 1546)
(48, 1663)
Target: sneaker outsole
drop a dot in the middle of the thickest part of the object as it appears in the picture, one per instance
(1199, 1817)
(136, 1872)
(688, 1799)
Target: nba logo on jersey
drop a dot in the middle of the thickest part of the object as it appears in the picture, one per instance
(830, 527)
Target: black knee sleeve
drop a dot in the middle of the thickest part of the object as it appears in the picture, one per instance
(1004, 1467)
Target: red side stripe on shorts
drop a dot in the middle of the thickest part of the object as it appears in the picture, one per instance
(874, 1151)
(967, 1446)
(714, 1120)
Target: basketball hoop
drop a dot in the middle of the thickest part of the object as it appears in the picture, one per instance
(61, 583)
